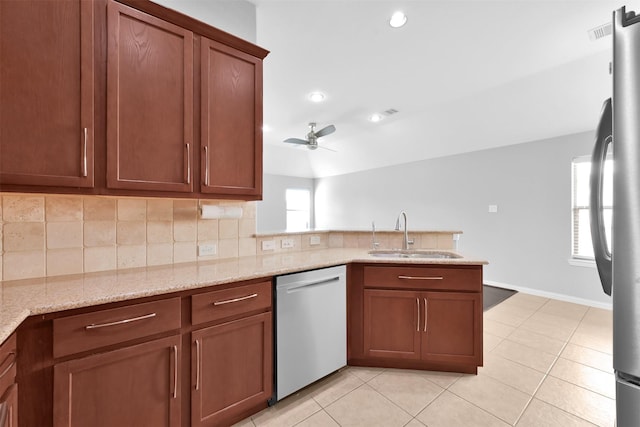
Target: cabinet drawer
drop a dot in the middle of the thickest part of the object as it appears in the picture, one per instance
(217, 305)
(441, 278)
(8, 358)
(88, 331)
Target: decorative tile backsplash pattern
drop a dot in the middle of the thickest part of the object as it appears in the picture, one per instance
(52, 235)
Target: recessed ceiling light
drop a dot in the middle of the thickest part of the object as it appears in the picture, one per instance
(375, 118)
(398, 19)
(317, 96)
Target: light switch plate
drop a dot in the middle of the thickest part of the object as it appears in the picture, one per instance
(493, 208)
(287, 243)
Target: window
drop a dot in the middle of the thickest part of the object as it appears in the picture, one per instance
(298, 209)
(581, 228)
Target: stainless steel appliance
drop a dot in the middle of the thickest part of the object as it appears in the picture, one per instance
(619, 268)
(311, 327)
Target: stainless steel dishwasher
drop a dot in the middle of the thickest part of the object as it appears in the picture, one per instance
(311, 327)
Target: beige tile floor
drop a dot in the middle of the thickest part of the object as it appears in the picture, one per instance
(546, 363)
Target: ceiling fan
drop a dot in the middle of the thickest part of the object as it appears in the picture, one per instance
(312, 137)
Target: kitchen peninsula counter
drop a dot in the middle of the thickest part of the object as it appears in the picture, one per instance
(20, 299)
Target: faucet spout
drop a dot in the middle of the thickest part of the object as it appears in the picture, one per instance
(406, 242)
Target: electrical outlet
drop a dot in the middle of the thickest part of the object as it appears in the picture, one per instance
(287, 243)
(268, 245)
(314, 240)
(207, 249)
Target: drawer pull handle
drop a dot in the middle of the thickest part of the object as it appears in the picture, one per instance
(198, 350)
(418, 322)
(229, 301)
(120, 322)
(11, 355)
(421, 277)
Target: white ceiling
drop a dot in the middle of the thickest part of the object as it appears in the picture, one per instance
(464, 76)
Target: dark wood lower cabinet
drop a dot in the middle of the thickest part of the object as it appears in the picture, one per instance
(452, 329)
(232, 370)
(415, 316)
(10, 400)
(8, 385)
(131, 386)
(391, 324)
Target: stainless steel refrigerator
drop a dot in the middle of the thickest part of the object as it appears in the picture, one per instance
(619, 267)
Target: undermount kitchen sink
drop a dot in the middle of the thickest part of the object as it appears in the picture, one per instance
(413, 254)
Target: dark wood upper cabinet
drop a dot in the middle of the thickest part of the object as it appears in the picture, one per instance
(47, 93)
(129, 98)
(231, 121)
(149, 102)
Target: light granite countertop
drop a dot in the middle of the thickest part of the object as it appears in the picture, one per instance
(20, 299)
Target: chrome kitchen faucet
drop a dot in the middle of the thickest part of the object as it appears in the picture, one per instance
(406, 242)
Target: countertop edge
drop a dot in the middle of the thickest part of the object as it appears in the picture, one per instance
(23, 298)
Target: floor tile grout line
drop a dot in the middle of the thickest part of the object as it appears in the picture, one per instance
(401, 408)
(547, 374)
(479, 407)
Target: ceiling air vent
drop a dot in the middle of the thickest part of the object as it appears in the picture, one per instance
(599, 32)
(390, 112)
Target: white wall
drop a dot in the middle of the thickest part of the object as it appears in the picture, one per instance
(237, 17)
(271, 211)
(527, 242)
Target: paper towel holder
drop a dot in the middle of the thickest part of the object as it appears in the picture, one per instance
(219, 212)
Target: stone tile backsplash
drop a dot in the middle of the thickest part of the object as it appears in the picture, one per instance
(50, 235)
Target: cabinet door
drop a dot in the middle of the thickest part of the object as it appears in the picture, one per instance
(232, 370)
(132, 386)
(453, 328)
(10, 402)
(46, 93)
(149, 102)
(392, 324)
(231, 88)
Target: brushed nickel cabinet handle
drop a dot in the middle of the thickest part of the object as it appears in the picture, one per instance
(175, 371)
(229, 301)
(420, 277)
(11, 364)
(425, 315)
(418, 322)
(120, 322)
(84, 152)
(198, 364)
(188, 163)
(206, 165)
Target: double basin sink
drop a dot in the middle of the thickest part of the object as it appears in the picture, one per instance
(410, 253)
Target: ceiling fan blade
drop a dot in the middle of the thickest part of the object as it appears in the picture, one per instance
(325, 131)
(325, 148)
(296, 141)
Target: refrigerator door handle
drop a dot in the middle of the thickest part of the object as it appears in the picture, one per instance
(600, 249)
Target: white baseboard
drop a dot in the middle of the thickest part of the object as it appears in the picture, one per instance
(561, 297)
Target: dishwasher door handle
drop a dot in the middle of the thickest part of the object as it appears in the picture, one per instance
(300, 286)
